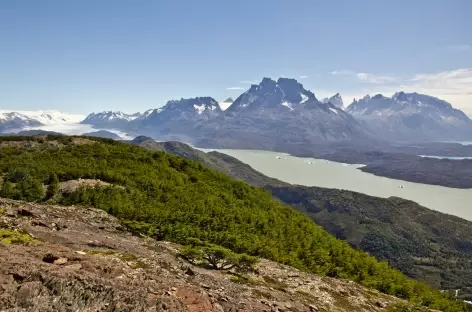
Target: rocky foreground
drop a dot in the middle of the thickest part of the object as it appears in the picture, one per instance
(57, 258)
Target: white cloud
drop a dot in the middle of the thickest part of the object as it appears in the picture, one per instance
(235, 88)
(453, 86)
(303, 77)
(342, 73)
(457, 81)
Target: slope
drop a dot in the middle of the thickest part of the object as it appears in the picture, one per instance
(99, 266)
(399, 231)
(170, 198)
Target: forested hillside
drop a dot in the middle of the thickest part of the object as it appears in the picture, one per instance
(425, 244)
(171, 198)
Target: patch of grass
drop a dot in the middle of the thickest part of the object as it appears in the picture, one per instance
(16, 237)
(2, 210)
(307, 296)
(241, 279)
(279, 285)
(107, 252)
(303, 293)
(139, 265)
(101, 252)
(263, 294)
(127, 257)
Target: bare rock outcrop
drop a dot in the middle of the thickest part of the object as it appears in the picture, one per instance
(80, 259)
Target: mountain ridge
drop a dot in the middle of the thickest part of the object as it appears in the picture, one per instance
(411, 116)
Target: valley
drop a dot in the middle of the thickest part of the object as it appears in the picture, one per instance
(397, 230)
(235, 156)
(328, 174)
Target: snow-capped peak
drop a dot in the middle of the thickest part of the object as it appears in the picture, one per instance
(113, 115)
(44, 117)
(284, 92)
(199, 105)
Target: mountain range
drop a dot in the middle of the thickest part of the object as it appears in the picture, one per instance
(19, 120)
(278, 114)
(406, 116)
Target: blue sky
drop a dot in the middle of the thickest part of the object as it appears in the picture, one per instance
(89, 55)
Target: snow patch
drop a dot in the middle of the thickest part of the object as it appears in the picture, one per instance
(333, 110)
(287, 104)
(304, 98)
(199, 108)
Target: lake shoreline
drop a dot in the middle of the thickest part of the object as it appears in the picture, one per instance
(331, 174)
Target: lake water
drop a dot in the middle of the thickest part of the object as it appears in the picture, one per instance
(445, 157)
(323, 173)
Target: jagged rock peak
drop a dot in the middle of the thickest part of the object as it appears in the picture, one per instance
(285, 92)
(199, 104)
(336, 100)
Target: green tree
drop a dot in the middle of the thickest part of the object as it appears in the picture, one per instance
(31, 189)
(53, 186)
(9, 191)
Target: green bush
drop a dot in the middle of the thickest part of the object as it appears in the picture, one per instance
(217, 258)
(8, 236)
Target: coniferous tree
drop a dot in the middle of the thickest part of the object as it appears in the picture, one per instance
(53, 186)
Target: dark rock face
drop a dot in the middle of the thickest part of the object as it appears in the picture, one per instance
(268, 114)
(282, 95)
(412, 117)
(276, 113)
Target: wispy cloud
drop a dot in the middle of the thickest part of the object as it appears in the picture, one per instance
(458, 48)
(453, 86)
(452, 82)
(375, 79)
(342, 72)
(235, 88)
(303, 77)
(364, 77)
